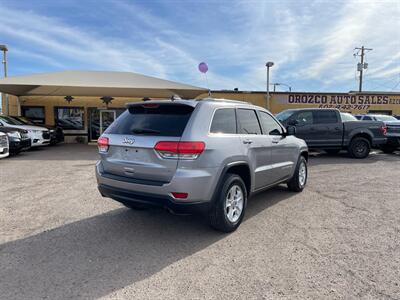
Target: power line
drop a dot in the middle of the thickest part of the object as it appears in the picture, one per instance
(395, 86)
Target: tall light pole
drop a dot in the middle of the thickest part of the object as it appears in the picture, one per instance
(5, 96)
(268, 65)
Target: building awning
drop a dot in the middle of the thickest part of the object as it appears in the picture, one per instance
(96, 83)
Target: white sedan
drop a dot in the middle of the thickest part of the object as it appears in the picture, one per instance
(4, 150)
(40, 136)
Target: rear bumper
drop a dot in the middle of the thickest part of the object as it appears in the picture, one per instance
(149, 199)
(379, 141)
(393, 141)
(199, 184)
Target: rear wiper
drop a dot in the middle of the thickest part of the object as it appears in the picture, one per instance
(145, 130)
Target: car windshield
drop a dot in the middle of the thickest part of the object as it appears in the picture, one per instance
(24, 120)
(10, 121)
(284, 115)
(385, 118)
(346, 117)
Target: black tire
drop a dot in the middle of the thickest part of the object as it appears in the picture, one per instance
(295, 184)
(218, 214)
(388, 149)
(133, 205)
(332, 151)
(359, 147)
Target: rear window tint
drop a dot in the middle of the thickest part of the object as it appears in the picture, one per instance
(152, 119)
(224, 121)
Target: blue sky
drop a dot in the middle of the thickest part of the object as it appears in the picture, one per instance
(311, 42)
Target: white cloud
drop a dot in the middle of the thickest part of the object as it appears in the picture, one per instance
(48, 36)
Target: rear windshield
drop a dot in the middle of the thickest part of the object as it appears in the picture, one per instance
(153, 119)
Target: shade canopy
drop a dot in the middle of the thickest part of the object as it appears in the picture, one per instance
(96, 83)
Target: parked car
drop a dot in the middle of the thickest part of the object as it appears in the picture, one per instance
(4, 150)
(347, 117)
(393, 130)
(39, 136)
(19, 139)
(214, 157)
(325, 129)
(56, 132)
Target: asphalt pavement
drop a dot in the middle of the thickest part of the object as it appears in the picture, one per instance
(338, 239)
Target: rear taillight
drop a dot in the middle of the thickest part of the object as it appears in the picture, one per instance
(181, 150)
(103, 144)
(180, 195)
(383, 129)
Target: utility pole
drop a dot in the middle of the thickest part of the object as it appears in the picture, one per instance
(361, 65)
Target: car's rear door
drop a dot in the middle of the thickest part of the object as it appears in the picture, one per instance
(133, 136)
(283, 151)
(256, 146)
(328, 128)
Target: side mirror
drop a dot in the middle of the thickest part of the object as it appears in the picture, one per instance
(290, 130)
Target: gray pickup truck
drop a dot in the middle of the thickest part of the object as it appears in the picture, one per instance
(332, 131)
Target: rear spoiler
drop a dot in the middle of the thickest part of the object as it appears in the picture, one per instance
(156, 103)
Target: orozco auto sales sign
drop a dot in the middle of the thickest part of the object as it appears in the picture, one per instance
(340, 101)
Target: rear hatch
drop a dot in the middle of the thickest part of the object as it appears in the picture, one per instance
(134, 134)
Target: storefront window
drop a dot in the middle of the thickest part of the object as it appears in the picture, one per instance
(34, 114)
(69, 117)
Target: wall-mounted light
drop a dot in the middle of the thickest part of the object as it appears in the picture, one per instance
(68, 99)
(107, 100)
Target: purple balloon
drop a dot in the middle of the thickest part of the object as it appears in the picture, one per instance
(203, 68)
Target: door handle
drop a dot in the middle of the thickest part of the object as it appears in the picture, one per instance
(247, 142)
(275, 141)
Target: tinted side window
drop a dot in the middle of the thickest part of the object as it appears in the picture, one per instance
(34, 113)
(325, 117)
(69, 117)
(248, 122)
(367, 118)
(224, 121)
(304, 118)
(269, 125)
(152, 119)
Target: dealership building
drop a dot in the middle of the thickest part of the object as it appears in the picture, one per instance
(84, 103)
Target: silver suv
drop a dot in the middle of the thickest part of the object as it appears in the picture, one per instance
(198, 155)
